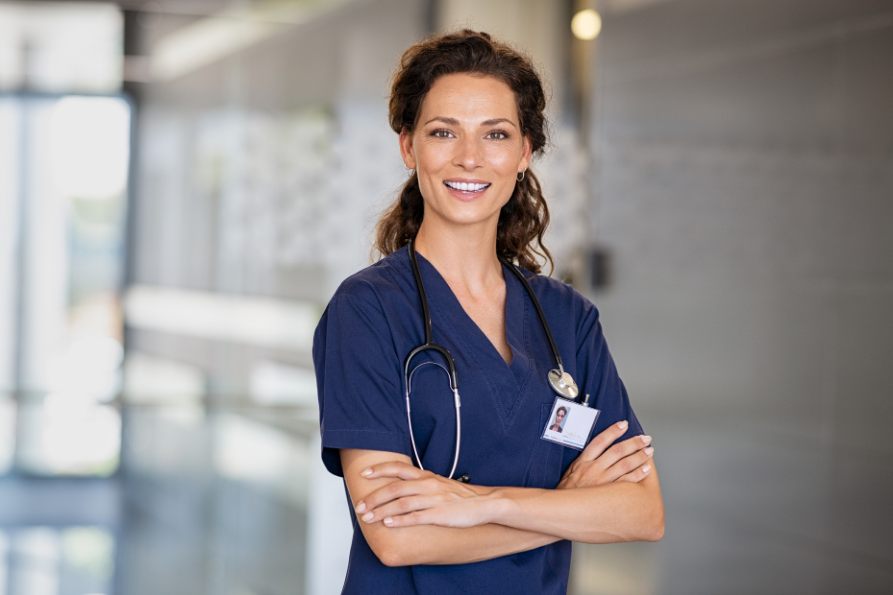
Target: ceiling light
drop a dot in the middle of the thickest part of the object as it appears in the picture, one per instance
(586, 24)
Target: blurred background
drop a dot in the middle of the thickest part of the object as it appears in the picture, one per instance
(184, 183)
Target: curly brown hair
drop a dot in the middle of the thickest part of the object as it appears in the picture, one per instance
(524, 218)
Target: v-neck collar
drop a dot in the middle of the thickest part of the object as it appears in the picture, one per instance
(507, 381)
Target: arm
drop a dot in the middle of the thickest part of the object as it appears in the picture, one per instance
(428, 544)
(609, 513)
(459, 527)
(616, 512)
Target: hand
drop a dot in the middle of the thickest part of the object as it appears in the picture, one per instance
(422, 498)
(598, 464)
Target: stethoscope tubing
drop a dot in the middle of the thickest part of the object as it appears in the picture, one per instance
(430, 345)
(539, 310)
(457, 402)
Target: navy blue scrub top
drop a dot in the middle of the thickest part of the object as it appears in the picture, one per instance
(373, 321)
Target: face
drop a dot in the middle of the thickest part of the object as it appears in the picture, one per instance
(559, 416)
(467, 149)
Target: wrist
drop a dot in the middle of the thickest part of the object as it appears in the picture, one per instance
(481, 490)
(500, 506)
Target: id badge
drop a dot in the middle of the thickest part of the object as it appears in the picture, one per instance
(570, 424)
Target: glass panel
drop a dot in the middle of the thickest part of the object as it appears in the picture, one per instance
(7, 435)
(88, 560)
(10, 123)
(75, 152)
(60, 47)
(53, 561)
(34, 567)
(4, 562)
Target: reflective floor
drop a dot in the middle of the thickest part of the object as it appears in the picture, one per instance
(217, 501)
(58, 536)
(234, 501)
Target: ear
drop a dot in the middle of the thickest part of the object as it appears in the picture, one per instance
(526, 153)
(406, 151)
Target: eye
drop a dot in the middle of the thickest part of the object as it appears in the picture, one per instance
(497, 135)
(441, 133)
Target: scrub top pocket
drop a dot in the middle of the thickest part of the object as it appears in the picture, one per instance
(544, 470)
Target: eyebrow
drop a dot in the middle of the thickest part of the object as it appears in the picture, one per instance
(496, 121)
(455, 122)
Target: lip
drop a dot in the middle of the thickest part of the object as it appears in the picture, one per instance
(466, 196)
(467, 180)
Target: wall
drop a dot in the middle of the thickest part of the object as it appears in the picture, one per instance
(745, 193)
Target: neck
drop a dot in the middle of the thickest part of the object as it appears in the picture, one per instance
(464, 256)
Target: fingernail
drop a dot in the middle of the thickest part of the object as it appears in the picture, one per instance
(622, 425)
(388, 521)
(366, 473)
(361, 507)
(649, 451)
(646, 439)
(646, 468)
(368, 516)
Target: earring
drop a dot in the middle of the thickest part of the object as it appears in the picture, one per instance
(521, 179)
(410, 170)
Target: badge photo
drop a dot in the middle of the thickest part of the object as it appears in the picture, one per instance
(570, 424)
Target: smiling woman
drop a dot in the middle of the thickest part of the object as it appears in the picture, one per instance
(509, 83)
(469, 115)
(490, 152)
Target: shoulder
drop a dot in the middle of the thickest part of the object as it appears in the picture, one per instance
(376, 283)
(556, 295)
(366, 306)
(549, 286)
(568, 311)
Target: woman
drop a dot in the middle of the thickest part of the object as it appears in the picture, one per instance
(470, 116)
(559, 419)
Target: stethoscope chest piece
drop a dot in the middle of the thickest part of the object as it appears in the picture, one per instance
(563, 384)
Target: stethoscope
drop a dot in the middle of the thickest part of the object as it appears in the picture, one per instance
(560, 381)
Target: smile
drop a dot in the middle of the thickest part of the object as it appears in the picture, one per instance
(466, 187)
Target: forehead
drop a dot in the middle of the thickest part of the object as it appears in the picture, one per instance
(469, 97)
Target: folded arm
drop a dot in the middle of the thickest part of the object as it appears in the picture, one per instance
(428, 544)
(609, 513)
(409, 516)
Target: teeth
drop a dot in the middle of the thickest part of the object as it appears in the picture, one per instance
(466, 187)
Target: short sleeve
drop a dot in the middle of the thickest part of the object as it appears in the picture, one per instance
(600, 377)
(358, 381)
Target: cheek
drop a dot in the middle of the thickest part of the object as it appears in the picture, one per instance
(432, 156)
(504, 159)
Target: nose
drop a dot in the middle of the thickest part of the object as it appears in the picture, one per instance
(468, 154)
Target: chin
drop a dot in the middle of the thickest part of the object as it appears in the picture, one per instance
(465, 217)
(470, 213)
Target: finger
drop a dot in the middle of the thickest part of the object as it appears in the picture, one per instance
(398, 489)
(622, 450)
(396, 469)
(628, 464)
(420, 517)
(388, 493)
(399, 507)
(637, 475)
(598, 444)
